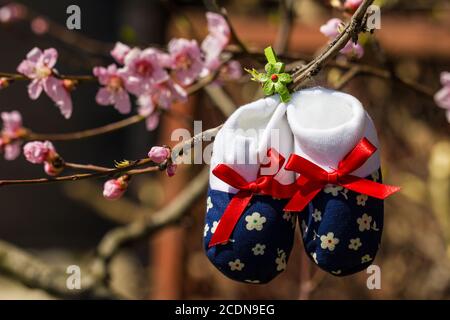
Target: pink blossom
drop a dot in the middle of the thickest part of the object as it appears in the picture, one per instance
(12, 122)
(39, 25)
(171, 169)
(12, 150)
(143, 70)
(214, 43)
(148, 110)
(38, 152)
(353, 50)
(38, 66)
(119, 52)
(51, 170)
(152, 121)
(442, 97)
(12, 12)
(114, 188)
(352, 5)
(162, 95)
(331, 29)
(10, 142)
(232, 70)
(158, 154)
(113, 92)
(186, 60)
(166, 93)
(218, 26)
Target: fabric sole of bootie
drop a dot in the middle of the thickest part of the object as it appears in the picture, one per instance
(261, 241)
(342, 229)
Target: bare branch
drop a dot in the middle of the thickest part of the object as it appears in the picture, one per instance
(351, 30)
(35, 273)
(177, 151)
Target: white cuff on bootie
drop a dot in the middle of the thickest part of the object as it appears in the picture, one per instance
(245, 137)
(327, 125)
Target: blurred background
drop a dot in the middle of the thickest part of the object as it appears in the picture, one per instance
(63, 223)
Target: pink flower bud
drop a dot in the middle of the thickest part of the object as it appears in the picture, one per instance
(171, 169)
(51, 170)
(39, 25)
(158, 154)
(352, 5)
(38, 152)
(4, 83)
(114, 188)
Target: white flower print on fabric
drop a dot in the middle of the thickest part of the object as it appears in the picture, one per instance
(329, 241)
(304, 227)
(366, 258)
(236, 265)
(252, 281)
(314, 256)
(258, 249)
(361, 199)
(281, 260)
(209, 204)
(287, 215)
(355, 244)
(255, 221)
(375, 176)
(333, 189)
(364, 222)
(336, 272)
(214, 226)
(317, 215)
(374, 226)
(205, 230)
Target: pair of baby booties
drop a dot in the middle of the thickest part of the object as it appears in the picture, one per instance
(341, 228)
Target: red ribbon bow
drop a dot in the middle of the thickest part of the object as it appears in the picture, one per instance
(264, 184)
(313, 178)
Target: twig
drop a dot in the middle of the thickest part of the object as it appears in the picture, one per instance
(177, 151)
(21, 77)
(346, 78)
(383, 74)
(351, 30)
(30, 136)
(88, 167)
(85, 133)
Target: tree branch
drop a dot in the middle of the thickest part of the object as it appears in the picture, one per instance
(352, 29)
(177, 151)
(35, 273)
(173, 213)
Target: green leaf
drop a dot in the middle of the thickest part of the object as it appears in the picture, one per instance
(270, 68)
(283, 91)
(270, 55)
(268, 88)
(279, 67)
(285, 78)
(264, 77)
(256, 76)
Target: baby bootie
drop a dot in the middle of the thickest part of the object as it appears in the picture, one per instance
(247, 235)
(339, 183)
